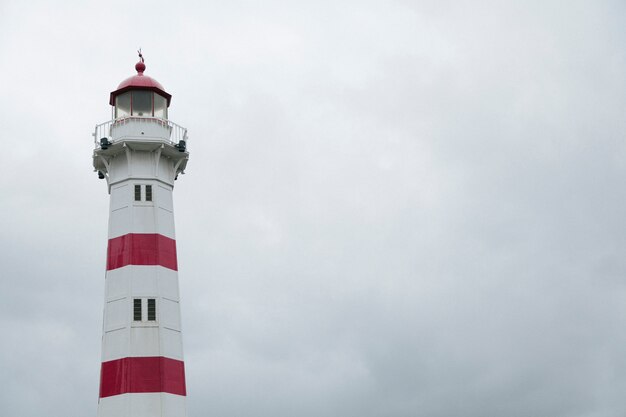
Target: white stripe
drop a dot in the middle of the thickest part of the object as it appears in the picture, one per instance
(124, 337)
(143, 405)
(141, 280)
(129, 216)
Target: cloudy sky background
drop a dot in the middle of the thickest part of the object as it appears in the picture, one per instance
(400, 208)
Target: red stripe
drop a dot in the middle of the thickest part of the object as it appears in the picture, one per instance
(141, 249)
(145, 374)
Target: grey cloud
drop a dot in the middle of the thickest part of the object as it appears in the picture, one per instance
(408, 210)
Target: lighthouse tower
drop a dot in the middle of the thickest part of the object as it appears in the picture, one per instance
(140, 154)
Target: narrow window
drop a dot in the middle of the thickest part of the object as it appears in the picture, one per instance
(137, 192)
(148, 193)
(137, 309)
(151, 309)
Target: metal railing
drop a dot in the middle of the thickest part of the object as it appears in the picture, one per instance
(103, 130)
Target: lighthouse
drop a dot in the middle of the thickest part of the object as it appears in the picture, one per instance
(140, 153)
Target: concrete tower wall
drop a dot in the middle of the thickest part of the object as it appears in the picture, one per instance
(142, 373)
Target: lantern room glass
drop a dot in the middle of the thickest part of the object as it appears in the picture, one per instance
(140, 103)
(160, 106)
(122, 105)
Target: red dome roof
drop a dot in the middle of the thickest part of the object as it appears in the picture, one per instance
(140, 82)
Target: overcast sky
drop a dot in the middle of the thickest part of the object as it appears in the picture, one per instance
(392, 208)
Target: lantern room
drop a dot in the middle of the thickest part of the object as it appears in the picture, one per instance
(140, 96)
(140, 123)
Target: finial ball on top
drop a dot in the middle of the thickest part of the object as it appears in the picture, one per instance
(140, 67)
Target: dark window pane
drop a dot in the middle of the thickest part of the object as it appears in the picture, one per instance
(142, 103)
(148, 193)
(137, 309)
(137, 192)
(151, 309)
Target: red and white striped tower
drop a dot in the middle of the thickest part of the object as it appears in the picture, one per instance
(140, 153)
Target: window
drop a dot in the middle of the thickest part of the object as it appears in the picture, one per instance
(137, 309)
(142, 103)
(140, 310)
(151, 309)
(137, 192)
(160, 106)
(122, 105)
(143, 192)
